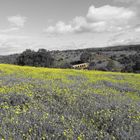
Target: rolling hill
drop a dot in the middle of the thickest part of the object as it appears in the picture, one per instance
(124, 58)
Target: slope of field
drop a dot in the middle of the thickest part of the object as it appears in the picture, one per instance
(57, 104)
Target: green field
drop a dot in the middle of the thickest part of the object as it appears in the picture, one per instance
(58, 104)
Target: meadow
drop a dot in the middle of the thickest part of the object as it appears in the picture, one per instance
(58, 104)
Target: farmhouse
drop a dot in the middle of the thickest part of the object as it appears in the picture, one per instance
(81, 66)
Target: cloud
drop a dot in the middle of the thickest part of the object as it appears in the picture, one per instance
(125, 41)
(128, 1)
(9, 30)
(109, 13)
(60, 27)
(10, 44)
(137, 29)
(4, 37)
(130, 36)
(101, 19)
(17, 21)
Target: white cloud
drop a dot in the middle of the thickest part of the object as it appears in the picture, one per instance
(17, 21)
(128, 1)
(102, 19)
(9, 30)
(137, 29)
(10, 44)
(130, 36)
(4, 37)
(60, 27)
(125, 41)
(109, 13)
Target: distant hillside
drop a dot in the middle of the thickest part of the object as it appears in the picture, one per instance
(74, 55)
(115, 58)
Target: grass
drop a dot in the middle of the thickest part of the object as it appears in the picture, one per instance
(58, 104)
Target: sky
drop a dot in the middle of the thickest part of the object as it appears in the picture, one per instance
(67, 24)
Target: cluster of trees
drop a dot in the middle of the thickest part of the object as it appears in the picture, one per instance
(131, 63)
(41, 58)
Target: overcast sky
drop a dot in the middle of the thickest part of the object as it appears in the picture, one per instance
(67, 24)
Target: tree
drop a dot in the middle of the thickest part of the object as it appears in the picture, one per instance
(86, 57)
(44, 58)
(41, 58)
(110, 65)
(92, 66)
(26, 58)
(136, 67)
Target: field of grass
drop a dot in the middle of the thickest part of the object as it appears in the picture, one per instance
(57, 104)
